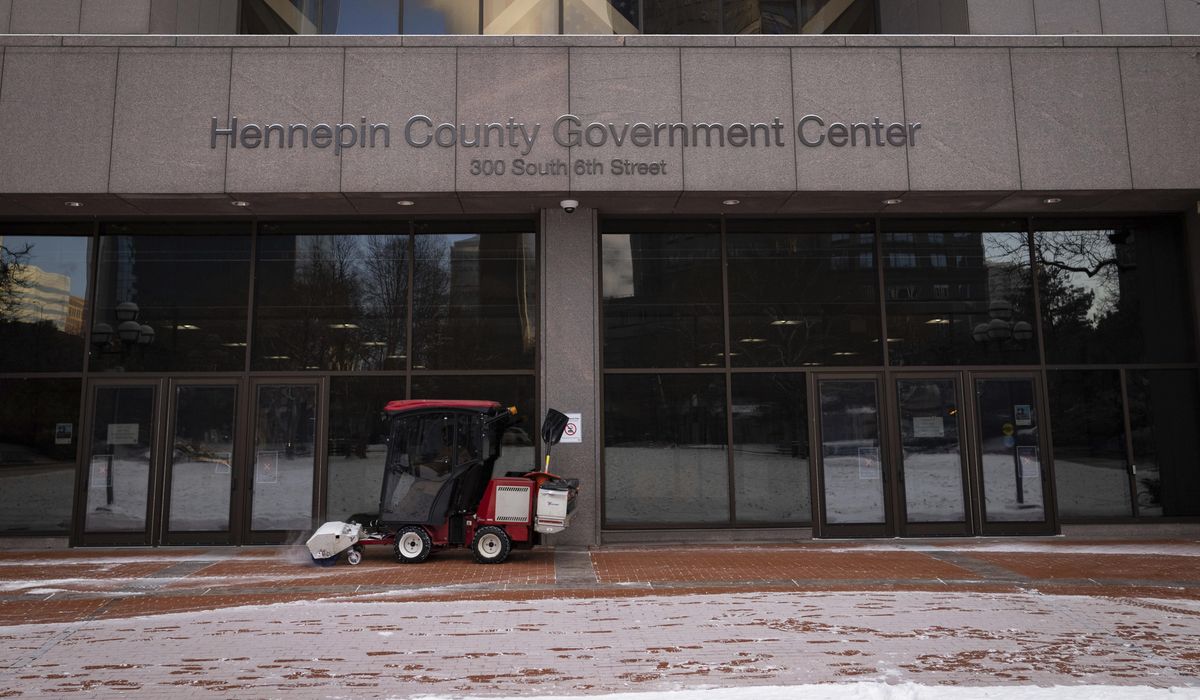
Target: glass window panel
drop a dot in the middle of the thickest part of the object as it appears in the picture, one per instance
(189, 294)
(441, 17)
(358, 432)
(686, 17)
(1011, 460)
(759, 17)
(331, 302)
(360, 16)
(1163, 414)
(662, 299)
(475, 301)
(520, 16)
(958, 295)
(1114, 292)
(601, 17)
(320, 16)
(43, 284)
(202, 458)
(518, 450)
(39, 436)
(770, 449)
(665, 449)
(802, 299)
(1090, 467)
(827, 17)
(851, 463)
(930, 451)
(118, 466)
(284, 455)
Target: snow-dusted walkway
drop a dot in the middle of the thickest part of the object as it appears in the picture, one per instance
(888, 621)
(571, 646)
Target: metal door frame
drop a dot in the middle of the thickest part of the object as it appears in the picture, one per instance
(79, 534)
(1049, 525)
(821, 527)
(966, 451)
(239, 462)
(246, 534)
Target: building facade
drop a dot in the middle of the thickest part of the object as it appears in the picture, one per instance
(802, 269)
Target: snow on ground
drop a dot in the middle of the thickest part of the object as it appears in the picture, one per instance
(900, 691)
(887, 645)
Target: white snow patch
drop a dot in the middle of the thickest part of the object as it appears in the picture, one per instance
(883, 691)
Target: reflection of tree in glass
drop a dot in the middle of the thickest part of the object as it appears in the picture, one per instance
(14, 263)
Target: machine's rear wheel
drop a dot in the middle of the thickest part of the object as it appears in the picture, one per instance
(412, 545)
(491, 545)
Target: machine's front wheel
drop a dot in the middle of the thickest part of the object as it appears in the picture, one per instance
(354, 556)
(491, 545)
(412, 545)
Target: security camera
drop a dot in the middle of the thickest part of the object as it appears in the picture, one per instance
(569, 205)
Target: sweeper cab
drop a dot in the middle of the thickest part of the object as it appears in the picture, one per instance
(439, 491)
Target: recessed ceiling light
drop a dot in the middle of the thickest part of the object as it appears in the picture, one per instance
(1052, 200)
(406, 202)
(374, 343)
(785, 322)
(731, 202)
(844, 354)
(187, 327)
(234, 345)
(240, 203)
(73, 204)
(753, 340)
(278, 357)
(343, 326)
(890, 202)
(709, 364)
(938, 322)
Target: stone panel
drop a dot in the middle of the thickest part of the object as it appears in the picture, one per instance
(56, 108)
(115, 17)
(1133, 16)
(5, 13)
(1070, 119)
(44, 17)
(602, 91)
(849, 86)
(284, 87)
(738, 85)
(1001, 16)
(389, 86)
(963, 98)
(1162, 99)
(528, 86)
(1183, 16)
(570, 356)
(164, 16)
(165, 104)
(1067, 16)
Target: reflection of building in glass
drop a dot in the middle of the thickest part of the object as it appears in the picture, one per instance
(46, 296)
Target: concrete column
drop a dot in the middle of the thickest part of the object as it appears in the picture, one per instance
(570, 356)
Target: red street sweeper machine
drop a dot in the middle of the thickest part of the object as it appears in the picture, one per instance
(438, 489)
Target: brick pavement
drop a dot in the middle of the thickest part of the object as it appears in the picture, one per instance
(264, 622)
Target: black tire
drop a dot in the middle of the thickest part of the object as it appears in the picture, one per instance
(491, 545)
(412, 545)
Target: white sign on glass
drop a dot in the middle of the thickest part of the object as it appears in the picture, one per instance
(928, 427)
(574, 430)
(122, 433)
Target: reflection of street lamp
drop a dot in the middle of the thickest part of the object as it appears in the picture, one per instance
(129, 332)
(1001, 328)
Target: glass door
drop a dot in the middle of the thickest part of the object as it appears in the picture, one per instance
(932, 469)
(202, 463)
(282, 485)
(853, 483)
(118, 478)
(1014, 474)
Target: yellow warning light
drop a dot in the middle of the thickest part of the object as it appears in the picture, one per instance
(512, 410)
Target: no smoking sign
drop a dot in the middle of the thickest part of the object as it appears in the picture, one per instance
(574, 430)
